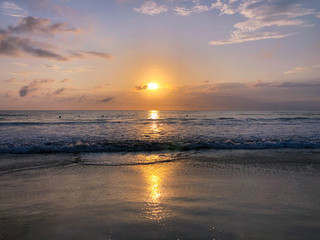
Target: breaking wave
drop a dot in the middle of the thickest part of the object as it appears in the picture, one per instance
(152, 146)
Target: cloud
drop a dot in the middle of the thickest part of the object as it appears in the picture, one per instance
(141, 87)
(240, 37)
(58, 91)
(11, 44)
(182, 11)
(33, 86)
(302, 69)
(85, 54)
(263, 15)
(260, 83)
(17, 46)
(197, 8)
(67, 69)
(40, 25)
(65, 80)
(298, 85)
(52, 66)
(20, 64)
(204, 87)
(151, 8)
(25, 90)
(229, 85)
(24, 72)
(13, 10)
(76, 69)
(108, 99)
(271, 19)
(99, 54)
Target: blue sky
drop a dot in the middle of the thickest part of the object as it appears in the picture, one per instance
(219, 55)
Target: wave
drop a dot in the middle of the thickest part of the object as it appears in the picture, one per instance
(152, 146)
(55, 123)
(12, 115)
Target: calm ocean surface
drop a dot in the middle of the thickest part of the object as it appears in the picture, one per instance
(145, 131)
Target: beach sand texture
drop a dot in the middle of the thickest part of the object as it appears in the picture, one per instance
(215, 195)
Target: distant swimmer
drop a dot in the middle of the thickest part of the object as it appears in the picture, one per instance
(59, 116)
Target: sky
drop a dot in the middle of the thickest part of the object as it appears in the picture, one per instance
(201, 54)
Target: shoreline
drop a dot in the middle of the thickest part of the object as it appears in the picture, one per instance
(226, 195)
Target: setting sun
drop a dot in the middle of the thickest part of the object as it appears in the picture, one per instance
(152, 86)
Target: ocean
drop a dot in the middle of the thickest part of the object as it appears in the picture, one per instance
(151, 131)
(159, 175)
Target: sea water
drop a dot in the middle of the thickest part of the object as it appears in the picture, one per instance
(152, 131)
(159, 175)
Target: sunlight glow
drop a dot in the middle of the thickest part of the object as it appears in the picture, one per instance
(153, 114)
(152, 86)
(154, 188)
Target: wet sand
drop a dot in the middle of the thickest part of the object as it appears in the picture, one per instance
(225, 195)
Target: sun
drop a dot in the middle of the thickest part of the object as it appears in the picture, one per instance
(152, 86)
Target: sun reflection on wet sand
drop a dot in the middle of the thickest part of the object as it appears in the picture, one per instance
(155, 176)
(154, 189)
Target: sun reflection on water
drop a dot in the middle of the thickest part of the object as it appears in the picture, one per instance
(152, 130)
(154, 114)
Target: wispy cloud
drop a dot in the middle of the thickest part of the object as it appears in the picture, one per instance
(197, 8)
(76, 69)
(20, 64)
(151, 8)
(65, 80)
(67, 69)
(302, 69)
(24, 72)
(262, 15)
(13, 10)
(182, 11)
(287, 84)
(141, 87)
(239, 37)
(99, 54)
(17, 47)
(40, 25)
(107, 99)
(52, 66)
(33, 86)
(263, 19)
(14, 45)
(58, 91)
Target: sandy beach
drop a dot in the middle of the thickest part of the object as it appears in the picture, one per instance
(160, 120)
(213, 195)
